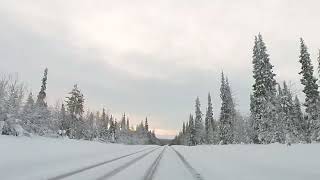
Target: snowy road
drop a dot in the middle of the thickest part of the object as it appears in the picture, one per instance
(148, 164)
(63, 159)
(23, 158)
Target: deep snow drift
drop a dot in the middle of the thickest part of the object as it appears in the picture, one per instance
(42, 158)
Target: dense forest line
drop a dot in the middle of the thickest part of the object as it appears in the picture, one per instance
(32, 116)
(275, 115)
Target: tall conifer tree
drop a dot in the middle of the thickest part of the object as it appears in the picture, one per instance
(198, 124)
(263, 111)
(42, 94)
(209, 119)
(311, 93)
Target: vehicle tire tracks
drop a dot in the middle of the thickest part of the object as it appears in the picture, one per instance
(152, 169)
(77, 171)
(124, 166)
(196, 175)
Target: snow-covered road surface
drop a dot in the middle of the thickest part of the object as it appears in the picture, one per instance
(56, 159)
(171, 167)
(23, 158)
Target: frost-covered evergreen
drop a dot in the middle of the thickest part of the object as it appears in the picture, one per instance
(311, 94)
(191, 140)
(29, 105)
(123, 125)
(210, 125)
(198, 124)
(40, 119)
(240, 129)
(211, 133)
(64, 121)
(128, 124)
(263, 107)
(299, 121)
(12, 102)
(42, 94)
(227, 113)
(286, 126)
(112, 129)
(103, 125)
(146, 125)
(75, 106)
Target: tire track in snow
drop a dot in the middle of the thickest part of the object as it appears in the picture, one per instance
(152, 169)
(194, 173)
(124, 166)
(77, 171)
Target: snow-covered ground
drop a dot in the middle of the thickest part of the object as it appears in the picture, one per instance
(44, 158)
(255, 162)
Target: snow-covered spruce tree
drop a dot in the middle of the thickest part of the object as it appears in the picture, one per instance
(148, 133)
(94, 126)
(88, 123)
(74, 105)
(299, 121)
(311, 94)
(182, 136)
(291, 126)
(29, 105)
(263, 108)
(227, 113)
(185, 139)
(128, 124)
(146, 125)
(223, 120)
(198, 124)
(123, 123)
(192, 132)
(111, 130)
(210, 126)
(27, 113)
(14, 100)
(211, 136)
(64, 121)
(232, 110)
(42, 94)
(286, 125)
(240, 132)
(103, 126)
(278, 124)
(12, 105)
(117, 131)
(253, 127)
(141, 133)
(124, 134)
(42, 116)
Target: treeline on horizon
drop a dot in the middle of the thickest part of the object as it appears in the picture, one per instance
(20, 116)
(275, 115)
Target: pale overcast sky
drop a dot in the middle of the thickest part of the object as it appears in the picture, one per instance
(152, 58)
